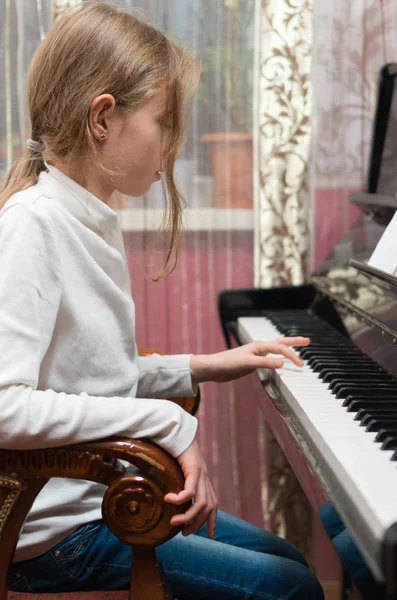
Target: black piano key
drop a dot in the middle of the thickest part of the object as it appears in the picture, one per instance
(321, 345)
(331, 353)
(334, 350)
(359, 371)
(373, 383)
(337, 384)
(325, 353)
(363, 412)
(327, 375)
(316, 337)
(376, 415)
(322, 363)
(384, 433)
(354, 367)
(369, 391)
(354, 403)
(316, 333)
(294, 324)
(394, 457)
(292, 314)
(337, 360)
(364, 376)
(314, 357)
(377, 424)
(389, 443)
(294, 321)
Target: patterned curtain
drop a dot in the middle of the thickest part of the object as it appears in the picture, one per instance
(284, 53)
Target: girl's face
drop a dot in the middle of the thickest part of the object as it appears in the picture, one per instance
(134, 145)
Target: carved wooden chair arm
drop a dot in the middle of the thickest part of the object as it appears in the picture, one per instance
(133, 506)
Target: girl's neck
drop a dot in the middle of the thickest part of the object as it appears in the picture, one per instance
(89, 181)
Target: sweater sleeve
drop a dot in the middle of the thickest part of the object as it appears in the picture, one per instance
(165, 376)
(30, 296)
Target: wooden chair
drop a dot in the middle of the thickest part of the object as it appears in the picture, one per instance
(133, 507)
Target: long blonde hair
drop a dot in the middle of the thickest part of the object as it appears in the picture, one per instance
(93, 49)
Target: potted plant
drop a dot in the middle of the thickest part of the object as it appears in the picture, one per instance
(230, 146)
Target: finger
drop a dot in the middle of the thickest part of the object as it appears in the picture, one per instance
(211, 521)
(178, 499)
(288, 353)
(293, 341)
(190, 491)
(190, 514)
(274, 348)
(194, 511)
(209, 515)
(269, 362)
(198, 522)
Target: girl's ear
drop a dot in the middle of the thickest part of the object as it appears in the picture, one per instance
(100, 115)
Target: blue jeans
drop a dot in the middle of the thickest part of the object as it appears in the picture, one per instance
(243, 561)
(351, 557)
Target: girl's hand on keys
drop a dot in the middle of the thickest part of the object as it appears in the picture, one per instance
(235, 363)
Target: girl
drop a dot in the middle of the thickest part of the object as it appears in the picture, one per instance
(106, 94)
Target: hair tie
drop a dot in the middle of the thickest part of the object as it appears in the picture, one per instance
(34, 146)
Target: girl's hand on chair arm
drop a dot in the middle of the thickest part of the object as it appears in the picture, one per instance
(197, 488)
(235, 363)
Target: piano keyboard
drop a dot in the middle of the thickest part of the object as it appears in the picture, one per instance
(345, 406)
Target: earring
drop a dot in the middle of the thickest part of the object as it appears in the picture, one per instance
(102, 137)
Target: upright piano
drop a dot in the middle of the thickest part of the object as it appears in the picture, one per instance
(342, 405)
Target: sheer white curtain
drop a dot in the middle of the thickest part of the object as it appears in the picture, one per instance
(353, 40)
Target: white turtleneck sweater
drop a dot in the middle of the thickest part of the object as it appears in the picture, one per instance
(69, 369)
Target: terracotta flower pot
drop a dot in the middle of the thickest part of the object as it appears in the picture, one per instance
(232, 166)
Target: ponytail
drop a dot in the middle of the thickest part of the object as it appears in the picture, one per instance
(24, 173)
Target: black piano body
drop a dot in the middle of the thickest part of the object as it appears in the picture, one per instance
(350, 311)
